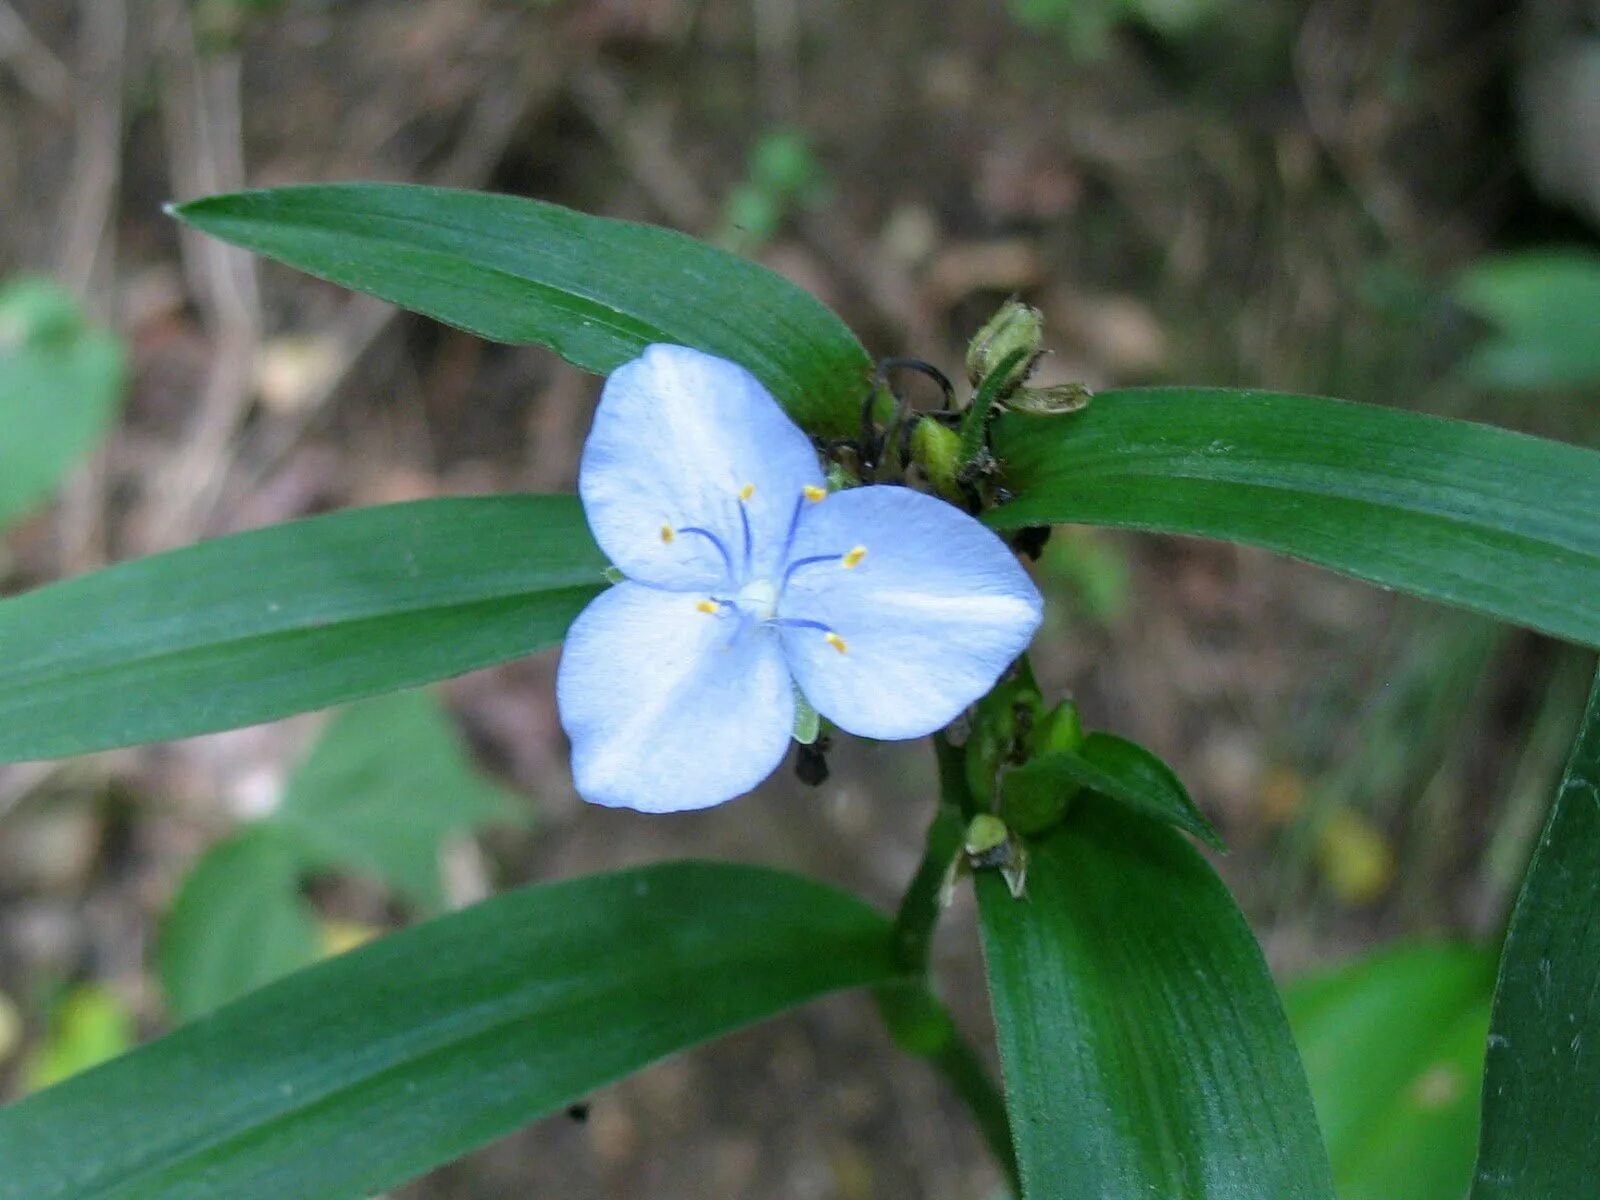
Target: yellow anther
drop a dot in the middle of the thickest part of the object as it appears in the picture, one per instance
(837, 642)
(747, 491)
(708, 607)
(667, 535)
(813, 492)
(855, 556)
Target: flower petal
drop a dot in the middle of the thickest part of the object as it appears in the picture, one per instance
(668, 707)
(925, 620)
(678, 436)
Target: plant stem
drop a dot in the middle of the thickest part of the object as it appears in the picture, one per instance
(916, 1019)
(976, 421)
(920, 907)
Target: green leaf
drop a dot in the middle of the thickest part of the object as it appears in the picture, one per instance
(1144, 1049)
(1541, 1124)
(238, 922)
(386, 784)
(1489, 520)
(60, 385)
(596, 291)
(369, 1068)
(294, 617)
(1546, 307)
(1119, 770)
(1393, 1047)
(90, 1025)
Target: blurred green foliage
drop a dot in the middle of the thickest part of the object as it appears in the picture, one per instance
(1084, 26)
(1544, 307)
(238, 922)
(88, 1025)
(1094, 570)
(61, 381)
(387, 784)
(1393, 1044)
(782, 175)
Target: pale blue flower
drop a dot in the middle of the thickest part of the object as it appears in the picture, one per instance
(892, 611)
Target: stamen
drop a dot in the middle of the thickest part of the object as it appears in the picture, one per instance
(798, 623)
(727, 562)
(667, 535)
(813, 493)
(744, 520)
(855, 556)
(709, 607)
(812, 561)
(837, 642)
(794, 518)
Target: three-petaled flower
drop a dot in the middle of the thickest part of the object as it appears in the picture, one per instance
(745, 578)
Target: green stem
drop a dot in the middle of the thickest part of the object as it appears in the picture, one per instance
(976, 421)
(922, 904)
(915, 1018)
(969, 1078)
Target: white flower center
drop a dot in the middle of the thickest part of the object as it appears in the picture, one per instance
(758, 599)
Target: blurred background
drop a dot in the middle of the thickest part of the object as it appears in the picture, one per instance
(1392, 202)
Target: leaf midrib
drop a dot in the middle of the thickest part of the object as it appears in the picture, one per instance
(1024, 511)
(78, 672)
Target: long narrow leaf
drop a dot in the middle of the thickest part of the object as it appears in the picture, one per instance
(1541, 1089)
(1144, 1048)
(1489, 520)
(596, 291)
(294, 617)
(357, 1074)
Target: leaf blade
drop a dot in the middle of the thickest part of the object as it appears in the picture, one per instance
(1482, 518)
(1123, 985)
(593, 289)
(259, 625)
(1541, 1127)
(360, 1072)
(1122, 771)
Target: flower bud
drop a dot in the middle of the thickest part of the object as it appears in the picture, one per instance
(936, 449)
(1033, 803)
(998, 720)
(1060, 729)
(1016, 327)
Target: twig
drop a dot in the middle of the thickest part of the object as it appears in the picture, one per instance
(88, 245)
(33, 63)
(362, 321)
(204, 127)
(642, 143)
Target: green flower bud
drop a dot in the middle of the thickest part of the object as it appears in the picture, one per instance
(936, 449)
(985, 748)
(1000, 722)
(1060, 729)
(989, 844)
(1016, 327)
(1033, 804)
(986, 834)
